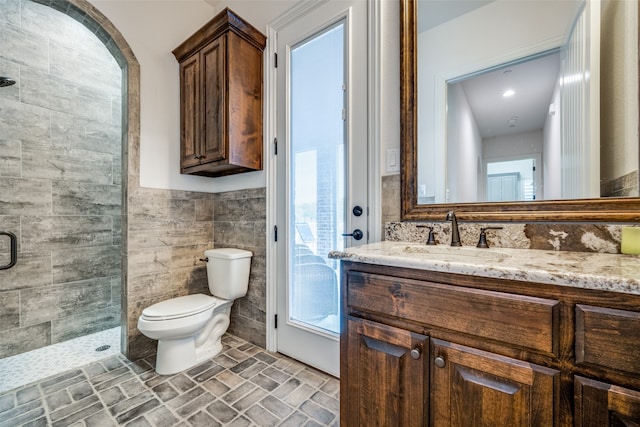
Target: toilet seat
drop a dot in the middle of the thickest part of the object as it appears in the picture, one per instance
(175, 308)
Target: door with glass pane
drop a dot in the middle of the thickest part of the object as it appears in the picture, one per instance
(321, 173)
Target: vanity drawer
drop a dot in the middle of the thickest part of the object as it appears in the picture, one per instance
(608, 337)
(524, 321)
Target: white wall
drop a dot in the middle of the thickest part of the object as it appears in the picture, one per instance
(551, 152)
(464, 149)
(390, 75)
(153, 28)
(513, 146)
(258, 12)
(619, 71)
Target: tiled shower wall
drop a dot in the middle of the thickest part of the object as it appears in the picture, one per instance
(60, 178)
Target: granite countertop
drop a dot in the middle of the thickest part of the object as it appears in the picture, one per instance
(610, 272)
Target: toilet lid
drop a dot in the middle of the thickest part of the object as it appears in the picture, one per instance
(187, 305)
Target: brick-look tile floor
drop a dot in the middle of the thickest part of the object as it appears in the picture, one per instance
(242, 386)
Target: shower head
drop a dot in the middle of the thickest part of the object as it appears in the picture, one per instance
(6, 81)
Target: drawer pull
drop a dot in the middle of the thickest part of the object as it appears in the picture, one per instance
(440, 362)
(415, 354)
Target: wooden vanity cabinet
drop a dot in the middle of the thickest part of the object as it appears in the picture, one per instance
(470, 387)
(486, 352)
(607, 339)
(385, 361)
(221, 87)
(600, 404)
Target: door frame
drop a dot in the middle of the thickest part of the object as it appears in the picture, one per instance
(374, 49)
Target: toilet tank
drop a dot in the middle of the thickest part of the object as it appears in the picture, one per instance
(228, 272)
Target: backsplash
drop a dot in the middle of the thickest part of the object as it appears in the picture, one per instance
(603, 238)
(578, 237)
(626, 185)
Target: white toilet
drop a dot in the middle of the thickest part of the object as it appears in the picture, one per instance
(189, 328)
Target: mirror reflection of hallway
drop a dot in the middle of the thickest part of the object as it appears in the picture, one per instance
(511, 180)
(503, 117)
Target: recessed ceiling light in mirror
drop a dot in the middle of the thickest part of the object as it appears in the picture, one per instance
(508, 93)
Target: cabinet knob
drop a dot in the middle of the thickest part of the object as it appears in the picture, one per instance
(415, 354)
(440, 362)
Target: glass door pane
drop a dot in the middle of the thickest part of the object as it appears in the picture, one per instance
(317, 179)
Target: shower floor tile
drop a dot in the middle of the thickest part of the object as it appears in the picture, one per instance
(244, 385)
(25, 368)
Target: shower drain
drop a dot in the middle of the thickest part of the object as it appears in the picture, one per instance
(103, 347)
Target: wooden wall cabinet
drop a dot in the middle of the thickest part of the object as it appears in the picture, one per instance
(221, 88)
(422, 348)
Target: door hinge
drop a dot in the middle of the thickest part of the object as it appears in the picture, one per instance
(275, 146)
(275, 59)
(275, 321)
(275, 233)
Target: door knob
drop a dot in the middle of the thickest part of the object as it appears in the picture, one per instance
(357, 234)
(357, 210)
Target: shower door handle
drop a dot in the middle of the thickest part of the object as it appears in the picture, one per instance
(14, 250)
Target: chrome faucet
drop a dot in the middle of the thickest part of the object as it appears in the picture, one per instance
(455, 233)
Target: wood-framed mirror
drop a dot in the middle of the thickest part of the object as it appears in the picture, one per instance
(549, 209)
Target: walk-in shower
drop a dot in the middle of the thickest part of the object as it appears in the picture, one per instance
(61, 182)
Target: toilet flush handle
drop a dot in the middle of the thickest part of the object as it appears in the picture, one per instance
(204, 259)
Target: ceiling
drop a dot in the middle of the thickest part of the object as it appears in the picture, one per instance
(432, 13)
(533, 82)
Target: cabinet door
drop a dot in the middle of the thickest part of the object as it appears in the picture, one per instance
(600, 404)
(470, 387)
(214, 139)
(384, 376)
(190, 111)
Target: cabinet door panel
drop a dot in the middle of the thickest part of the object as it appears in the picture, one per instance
(608, 337)
(214, 141)
(386, 384)
(189, 112)
(475, 388)
(600, 404)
